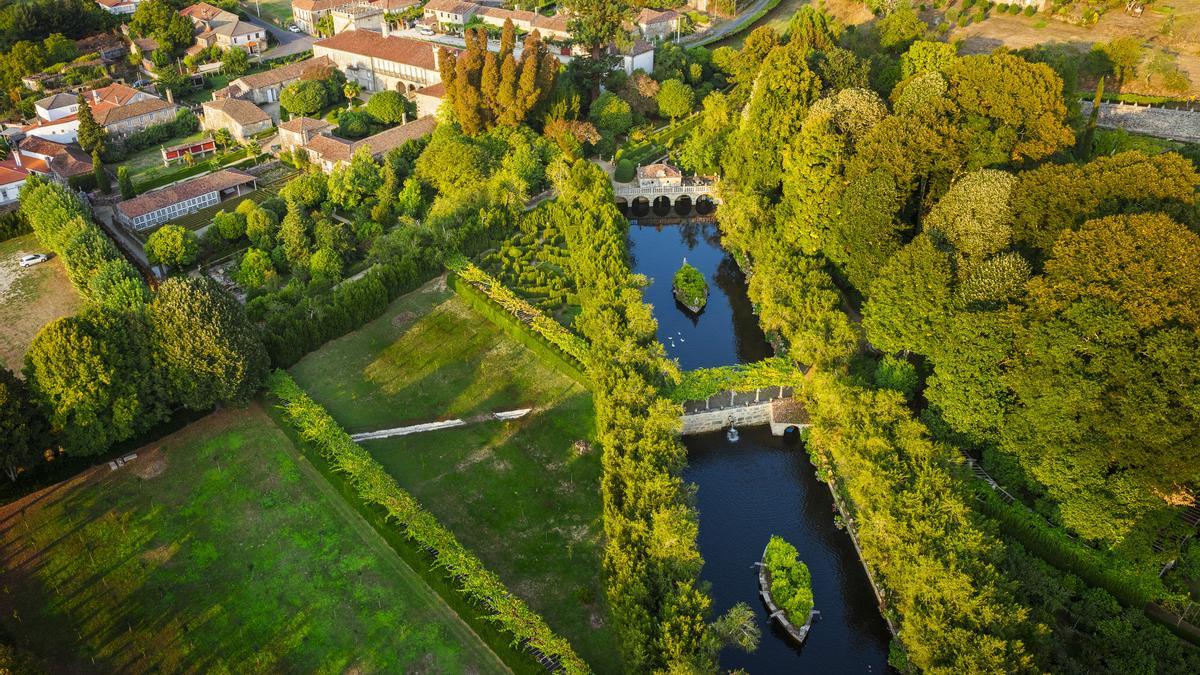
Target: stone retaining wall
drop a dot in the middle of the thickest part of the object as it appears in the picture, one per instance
(716, 420)
(1176, 125)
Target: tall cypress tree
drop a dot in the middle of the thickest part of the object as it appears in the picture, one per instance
(91, 134)
(99, 174)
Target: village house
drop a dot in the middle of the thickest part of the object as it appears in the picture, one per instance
(215, 26)
(659, 175)
(382, 62)
(10, 186)
(242, 118)
(306, 13)
(181, 151)
(119, 108)
(429, 99)
(32, 155)
(119, 6)
(328, 151)
(450, 14)
(357, 16)
(549, 27)
(656, 25)
(265, 87)
(159, 206)
(108, 46)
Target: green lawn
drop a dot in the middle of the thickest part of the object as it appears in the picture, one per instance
(30, 297)
(278, 11)
(516, 493)
(219, 549)
(778, 18)
(148, 163)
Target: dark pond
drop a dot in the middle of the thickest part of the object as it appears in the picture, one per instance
(726, 330)
(756, 487)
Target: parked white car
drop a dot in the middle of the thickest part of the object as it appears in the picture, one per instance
(33, 259)
(294, 28)
(426, 30)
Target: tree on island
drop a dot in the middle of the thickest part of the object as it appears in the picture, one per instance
(690, 287)
(790, 581)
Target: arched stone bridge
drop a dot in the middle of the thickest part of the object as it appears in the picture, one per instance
(766, 405)
(693, 194)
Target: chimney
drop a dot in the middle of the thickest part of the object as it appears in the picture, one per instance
(387, 27)
(95, 96)
(17, 154)
(436, 59)
(170, 97)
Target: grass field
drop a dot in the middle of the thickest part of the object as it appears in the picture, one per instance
(276, 11)
(146, 164)
(218, 549)
(517, 493)
(30, 298)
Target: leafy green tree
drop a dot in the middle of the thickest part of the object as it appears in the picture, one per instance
(206, 349)
(93, 375)
(303, 98)
(974, 215)
(900, 28)
(117, 286)
(99, 175)
(389, 107)
(910, 299)
(675, 99)
(125, 183)
(705, 146)
(596, 24)
(1125, 54)
(235, 62)
(256, 269)
(230, 225)
(261, 226)
(19, 425)
(611, 114)
(58, 48)
(897, 374)
(350, 186)
(814, 29)
(223, 138)
(351, 90)
(172, 246)
(326, 264)
(353, 124)
(294, 235)
(90, 136)
(924, 56)
(307, 189)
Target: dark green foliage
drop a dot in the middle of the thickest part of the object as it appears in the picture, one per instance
(353, 124)
(13, 224)
(389, 107)
(791, 583)
(172, 246)
(20, 425)
(206, 350)
(690, 287)
(897, 374)
(625, 171)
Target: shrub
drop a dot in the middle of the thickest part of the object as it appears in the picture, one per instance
(790, 581)
(1030, 10)
(1003, 7)
(897, 374)
(690, 287)
(625, 171)
(13, 224)
(963, 21)
(1014, 9)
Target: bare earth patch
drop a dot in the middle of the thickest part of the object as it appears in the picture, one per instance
(30, 297)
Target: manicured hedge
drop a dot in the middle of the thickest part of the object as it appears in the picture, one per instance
(570, 345)
(375, 486)
(519, 331)
(697, 385)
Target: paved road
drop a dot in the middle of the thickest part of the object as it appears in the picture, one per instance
(288, 42)
(725, 28)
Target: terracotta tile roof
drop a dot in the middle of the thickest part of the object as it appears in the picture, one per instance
(40, 123)
(72, 161)
(42, 146)
(398, 136)
(649, 16)
(162, 198)
(239, 110)
(106, 116)
(9, 176)
(658, 171)
(100, 42)
(517, 16)
(435, 90)
(28, 164)
(556, 24)
(275, 76)
(451, 6)
(114, 3)
(303, 124)
(202, 11)
(331, 148)
(317, 5)
(114, 93)
(392, 48)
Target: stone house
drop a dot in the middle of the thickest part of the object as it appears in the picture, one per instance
(215, 26)
(382, 62)
(242, 118)
(159, 206)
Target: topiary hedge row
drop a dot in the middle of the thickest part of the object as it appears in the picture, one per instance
(375, 486)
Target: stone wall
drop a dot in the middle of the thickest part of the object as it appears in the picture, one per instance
(716, 420)
(1176, 125)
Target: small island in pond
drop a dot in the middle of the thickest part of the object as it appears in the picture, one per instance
(786, 587)
(691, 290)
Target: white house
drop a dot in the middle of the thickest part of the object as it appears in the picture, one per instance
(381, 62)
(119, 6)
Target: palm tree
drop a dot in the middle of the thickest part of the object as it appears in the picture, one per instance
(351, 90)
